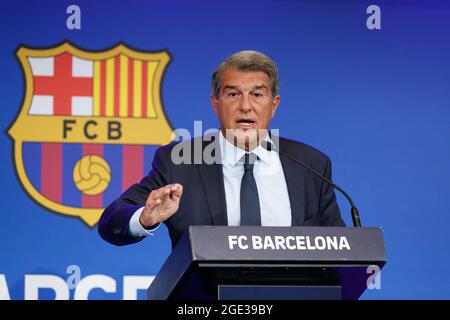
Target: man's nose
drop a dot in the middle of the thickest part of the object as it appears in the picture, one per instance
(246, 104)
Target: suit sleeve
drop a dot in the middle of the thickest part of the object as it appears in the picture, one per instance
(328, 208)
(114, 222)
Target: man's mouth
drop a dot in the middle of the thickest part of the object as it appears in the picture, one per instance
(245, 123)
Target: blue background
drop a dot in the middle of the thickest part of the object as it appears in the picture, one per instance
(376, 101)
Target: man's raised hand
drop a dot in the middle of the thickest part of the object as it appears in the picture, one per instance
(161, 204)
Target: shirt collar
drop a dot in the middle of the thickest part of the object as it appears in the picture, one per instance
(232, 154)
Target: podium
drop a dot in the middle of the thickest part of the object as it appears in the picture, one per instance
(270, 263)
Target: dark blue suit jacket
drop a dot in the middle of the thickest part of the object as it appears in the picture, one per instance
(313, 201)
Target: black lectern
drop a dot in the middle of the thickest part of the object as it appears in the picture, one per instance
(270, 263)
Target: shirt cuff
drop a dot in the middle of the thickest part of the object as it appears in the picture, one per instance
(135, 227)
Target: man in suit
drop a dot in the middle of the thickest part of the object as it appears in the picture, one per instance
(246, 184)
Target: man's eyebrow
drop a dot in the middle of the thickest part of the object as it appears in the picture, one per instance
(261, 86)
(229, 86)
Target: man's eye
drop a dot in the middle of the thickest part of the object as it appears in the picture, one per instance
(232, 94)
(257, 95)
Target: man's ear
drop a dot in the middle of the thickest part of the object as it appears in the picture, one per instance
(215, 104)
(275, 103)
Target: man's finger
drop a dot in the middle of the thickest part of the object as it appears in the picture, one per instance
(178, 191)
(159, 193)
(166, 195)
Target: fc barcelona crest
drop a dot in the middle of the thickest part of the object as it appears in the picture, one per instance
(89, 125)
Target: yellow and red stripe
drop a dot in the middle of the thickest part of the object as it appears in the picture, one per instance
(123, 87)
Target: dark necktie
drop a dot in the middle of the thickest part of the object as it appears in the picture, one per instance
(250, 211)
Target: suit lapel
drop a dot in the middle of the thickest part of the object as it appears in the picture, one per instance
(293, 174)
(213, 184)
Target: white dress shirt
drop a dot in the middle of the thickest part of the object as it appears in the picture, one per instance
(269, 176)
(271, 183)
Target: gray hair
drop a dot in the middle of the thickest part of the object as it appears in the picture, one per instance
(247, 61)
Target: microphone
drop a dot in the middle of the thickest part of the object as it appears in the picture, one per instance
(354, 211)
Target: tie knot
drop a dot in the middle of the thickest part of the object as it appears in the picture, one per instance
(249, 161)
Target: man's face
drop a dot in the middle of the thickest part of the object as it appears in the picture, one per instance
(245, 107)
